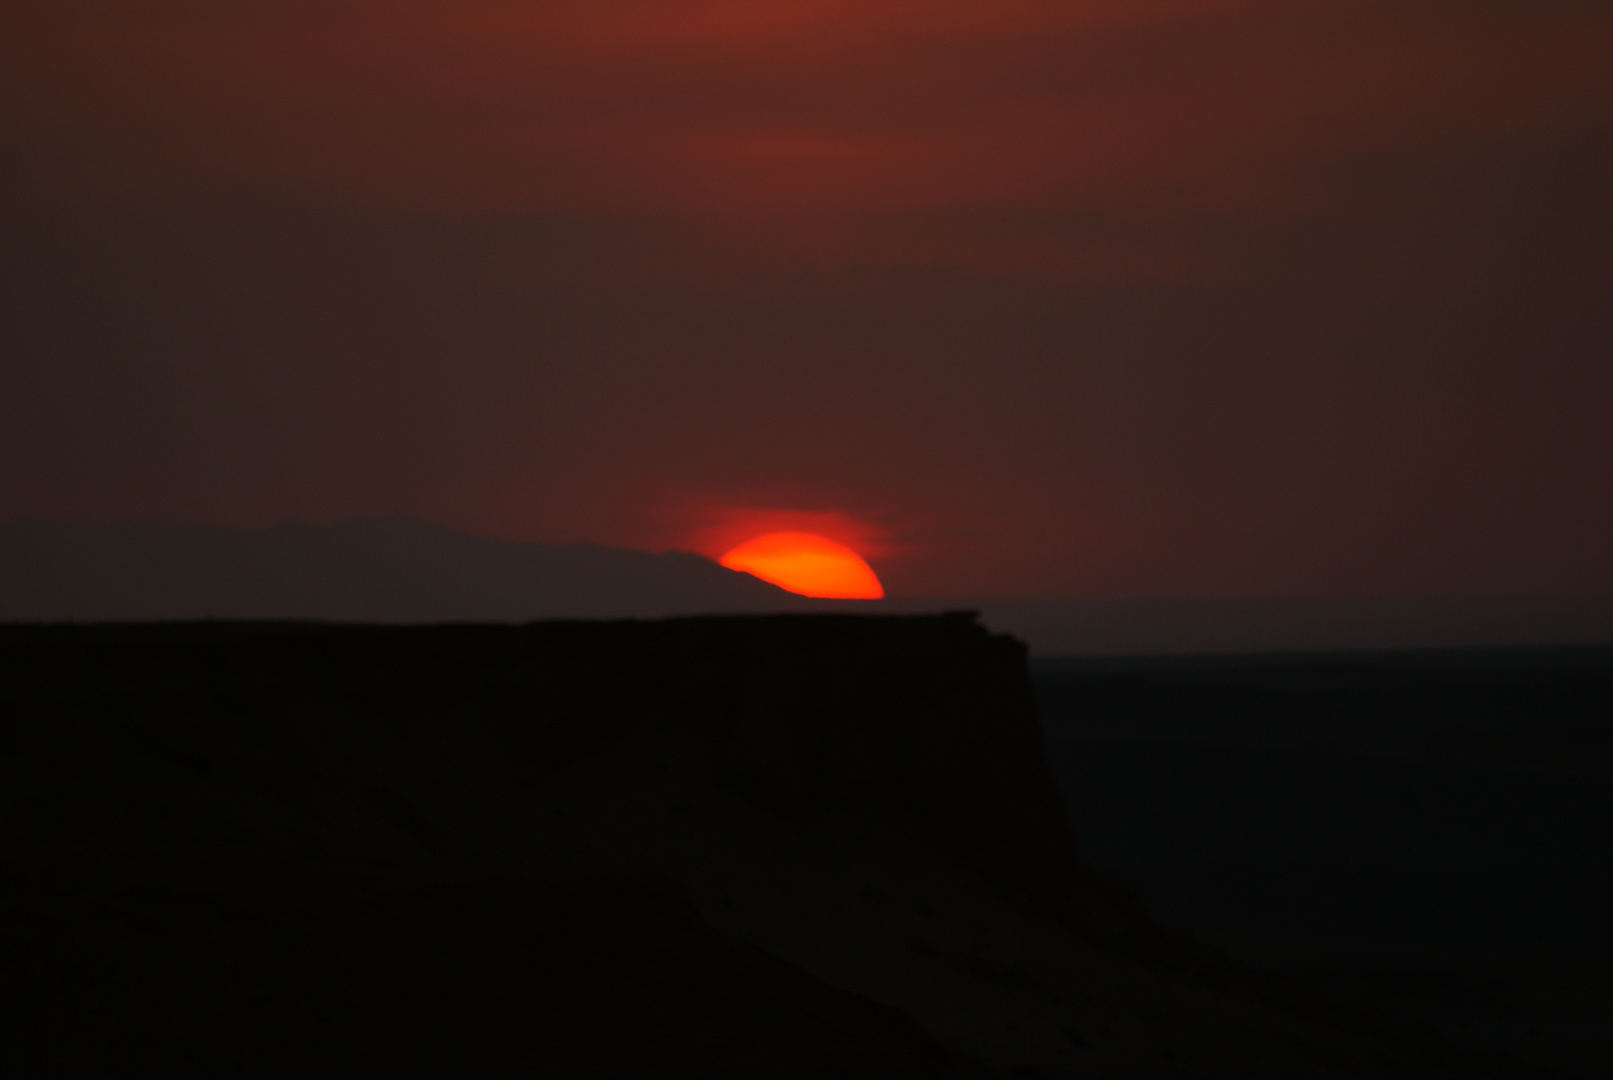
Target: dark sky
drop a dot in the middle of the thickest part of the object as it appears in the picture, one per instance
(1029, 297)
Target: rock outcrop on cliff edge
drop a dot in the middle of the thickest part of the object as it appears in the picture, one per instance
(785, 846)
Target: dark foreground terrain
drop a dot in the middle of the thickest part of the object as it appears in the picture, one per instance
(1426, 833)
(792, 846)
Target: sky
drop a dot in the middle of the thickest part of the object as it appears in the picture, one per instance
(1163, 298)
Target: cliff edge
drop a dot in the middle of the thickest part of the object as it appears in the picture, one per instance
(805, 845)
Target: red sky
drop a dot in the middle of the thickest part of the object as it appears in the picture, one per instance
(1033, 298)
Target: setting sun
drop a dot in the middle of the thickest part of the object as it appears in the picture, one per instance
(806, 564)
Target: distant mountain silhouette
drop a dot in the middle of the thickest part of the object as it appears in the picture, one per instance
(1227, 625)
(393, 569)
(400, 569)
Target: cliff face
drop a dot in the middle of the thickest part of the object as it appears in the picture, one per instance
(856, 813)
(928, 720)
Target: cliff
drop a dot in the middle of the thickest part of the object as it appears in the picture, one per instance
(822, 845)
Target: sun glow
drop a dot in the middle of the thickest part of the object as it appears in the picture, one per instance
(806, 564)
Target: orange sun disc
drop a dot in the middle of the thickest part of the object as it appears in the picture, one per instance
(806, 564)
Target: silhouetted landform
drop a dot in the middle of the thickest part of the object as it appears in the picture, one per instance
(1434, 703)
(1424, 832)
(576, 977)
(402, 570)
(388, 570)
(788, 846)
(1237, 627)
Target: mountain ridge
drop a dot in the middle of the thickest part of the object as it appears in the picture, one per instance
(400, 569)
(387, 569)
